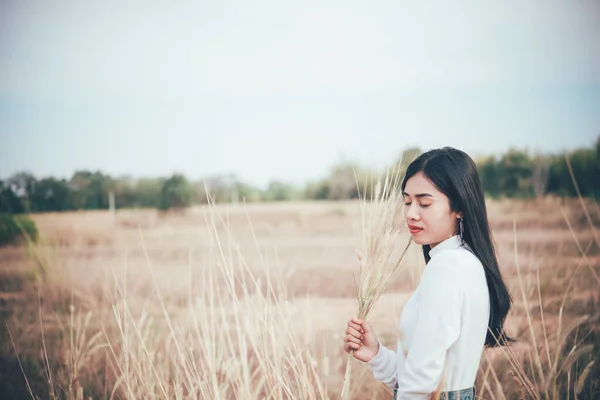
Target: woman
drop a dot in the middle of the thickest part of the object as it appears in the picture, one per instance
(461, 302)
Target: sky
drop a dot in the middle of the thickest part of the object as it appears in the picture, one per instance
(284, 90)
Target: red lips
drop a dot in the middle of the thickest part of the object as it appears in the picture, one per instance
(414, 229)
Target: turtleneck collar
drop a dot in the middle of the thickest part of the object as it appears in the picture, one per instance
(452, 243)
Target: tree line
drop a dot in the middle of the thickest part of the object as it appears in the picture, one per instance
(516, 173)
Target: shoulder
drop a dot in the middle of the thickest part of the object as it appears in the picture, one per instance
(442, 283)
(459, 260)
(451, 267)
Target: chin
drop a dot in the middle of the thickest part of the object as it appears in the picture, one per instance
(420, 240)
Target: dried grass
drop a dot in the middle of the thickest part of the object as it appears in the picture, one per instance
(379, 254)
(230, 329)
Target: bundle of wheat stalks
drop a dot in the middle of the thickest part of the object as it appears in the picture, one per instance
(381, 249)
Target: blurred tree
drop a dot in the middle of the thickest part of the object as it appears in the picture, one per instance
(342, 182)
(367, 180)
(14, 228)
(50, 194)
(97, 191)
(248, 193)
(221, 188)
(540, 174)
(90, 190)
(317, 190)
(489, 175)
(226, 189)
(176, 193)
(514, 171)
(125, 192)
(559, 181)
(9, 201)
(514, 174)
(280, 191)
(586, 171)
(147, 192)
(23, 185)
(78, 184)
(598, 150)
(408, 156)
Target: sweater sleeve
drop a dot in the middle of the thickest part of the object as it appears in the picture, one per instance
(437, 328)
(385, 366)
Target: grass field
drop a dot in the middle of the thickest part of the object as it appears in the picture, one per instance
(251, 302)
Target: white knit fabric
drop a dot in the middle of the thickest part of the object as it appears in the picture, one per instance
(443, 327)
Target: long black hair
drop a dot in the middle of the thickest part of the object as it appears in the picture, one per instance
(454, 173)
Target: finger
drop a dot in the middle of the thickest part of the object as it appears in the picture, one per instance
(347, 348)
(353, 332)
(352, 339)
(365, 328)
(353, 346)
(354, 328)
(368, 329)
(358, 327)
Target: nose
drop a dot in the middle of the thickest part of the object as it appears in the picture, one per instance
(412, 213)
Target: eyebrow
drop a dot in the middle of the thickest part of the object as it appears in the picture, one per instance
(418, 195)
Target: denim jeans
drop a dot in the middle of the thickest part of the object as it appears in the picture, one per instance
(464, 394)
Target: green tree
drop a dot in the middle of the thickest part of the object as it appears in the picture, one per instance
(514, 172)
(279, 191)
(598, 150)
(125, 192)
(176, 193)
(586, 171)
(97, 191)
(248, 193)
(90, 190)
(14, 228)
(317, 190)
(9, 201)
(78, 184)
(148, 192)
(23, 185)
(50, 194)
(488, 173)
(559, 181)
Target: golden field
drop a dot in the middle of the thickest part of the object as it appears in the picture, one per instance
(250, 302)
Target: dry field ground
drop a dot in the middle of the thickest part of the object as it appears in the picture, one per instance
(251, 301)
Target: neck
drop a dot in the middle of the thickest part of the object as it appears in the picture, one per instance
(432, 245)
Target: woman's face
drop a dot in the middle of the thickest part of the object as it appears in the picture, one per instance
(427, 211)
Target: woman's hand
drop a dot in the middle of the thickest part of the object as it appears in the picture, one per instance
(361, 339)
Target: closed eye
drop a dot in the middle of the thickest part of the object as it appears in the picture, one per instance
(422, 205)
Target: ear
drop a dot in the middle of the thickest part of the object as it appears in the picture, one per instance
(459, 215)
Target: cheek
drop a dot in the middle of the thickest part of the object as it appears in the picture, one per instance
(436, 218)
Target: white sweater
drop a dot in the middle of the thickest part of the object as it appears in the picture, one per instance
(442, 328)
